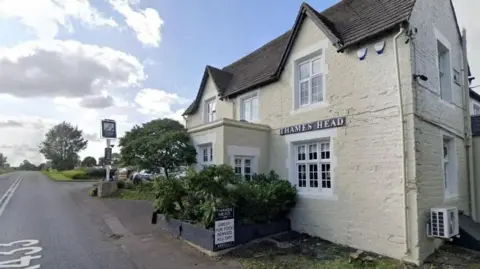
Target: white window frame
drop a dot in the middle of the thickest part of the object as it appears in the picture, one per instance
(309, 60)
(476, 109)
(243, 160)
(210, 116)
(448, 71)
(206, 155)
(320, 158)
(449, 167)
(250, 98)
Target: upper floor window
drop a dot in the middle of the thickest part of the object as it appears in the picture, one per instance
(444, 72)
(249, 108)
(309, 80)
(210, 110)
(476, 109)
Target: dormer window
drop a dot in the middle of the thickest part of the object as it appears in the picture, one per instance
(210, 110)
(309, 82)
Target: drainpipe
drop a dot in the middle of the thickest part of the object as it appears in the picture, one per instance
(468, 131)
(404, 157)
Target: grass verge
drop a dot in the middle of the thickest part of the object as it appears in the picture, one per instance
(56, 176)
(133, 194)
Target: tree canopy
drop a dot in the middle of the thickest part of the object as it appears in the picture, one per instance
(3, 161)
(26, 165)
(62, 144)
(161, 144)
(89, 161)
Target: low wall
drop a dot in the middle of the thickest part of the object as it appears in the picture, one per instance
(106, 188)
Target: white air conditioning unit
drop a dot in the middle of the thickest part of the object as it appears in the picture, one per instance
(444, 222)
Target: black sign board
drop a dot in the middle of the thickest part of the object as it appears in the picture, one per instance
(224, 229)
(109, 129)
(108, 155)
(313, 126)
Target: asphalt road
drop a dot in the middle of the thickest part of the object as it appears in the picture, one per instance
(57, 233)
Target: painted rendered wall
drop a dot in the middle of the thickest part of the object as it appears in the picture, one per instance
(435, 117)
(366, 209)
(246, 142)
(224, 108)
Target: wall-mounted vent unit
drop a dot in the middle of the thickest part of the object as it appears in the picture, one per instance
(444, 222)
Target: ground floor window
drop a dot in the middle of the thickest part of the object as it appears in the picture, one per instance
(312, 162)
(206, 155)
(449, 159)
(243, 166)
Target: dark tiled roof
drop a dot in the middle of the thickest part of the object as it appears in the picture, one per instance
(474, 95)
(346, 23)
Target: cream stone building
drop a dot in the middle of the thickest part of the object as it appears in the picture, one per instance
(363, 107)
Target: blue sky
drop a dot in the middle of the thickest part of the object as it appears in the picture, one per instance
(130, 60)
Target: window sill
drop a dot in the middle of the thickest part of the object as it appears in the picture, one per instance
(309, 108)
(319, 196)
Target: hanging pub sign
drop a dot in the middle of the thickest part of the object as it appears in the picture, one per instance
(109, 129)
(314, 126)
(224, 229)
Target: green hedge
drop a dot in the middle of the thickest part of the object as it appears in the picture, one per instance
(196, 197)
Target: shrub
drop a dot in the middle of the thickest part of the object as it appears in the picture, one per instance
(93, 192)
(120, 184)
(80, 176)
(196, 197)
(99, 172)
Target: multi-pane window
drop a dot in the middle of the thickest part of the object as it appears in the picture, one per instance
(249, 109)
(310, 82)
(210, 111)
(444, 72)
(243, 166)
(450, 177)
(312, 162)
(206, 157)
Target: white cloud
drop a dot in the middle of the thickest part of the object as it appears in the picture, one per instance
(467, 13)
(45, 17)
(65, 68)
(145, 23)
(158, 103)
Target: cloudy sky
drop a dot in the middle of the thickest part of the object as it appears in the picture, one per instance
(129, 60)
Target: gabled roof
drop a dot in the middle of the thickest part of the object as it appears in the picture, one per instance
(346, 23)
(220, 78)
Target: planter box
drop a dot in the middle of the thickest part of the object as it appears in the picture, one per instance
(245, 234)
(204, 238)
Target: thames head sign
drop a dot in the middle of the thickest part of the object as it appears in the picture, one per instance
(313, 126)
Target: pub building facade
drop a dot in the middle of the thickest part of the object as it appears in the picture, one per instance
(321, 106)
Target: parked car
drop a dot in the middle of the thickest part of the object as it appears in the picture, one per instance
(143, 175)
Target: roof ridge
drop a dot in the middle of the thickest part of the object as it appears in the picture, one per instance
(257, 50)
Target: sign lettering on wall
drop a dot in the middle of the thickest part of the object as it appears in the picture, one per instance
(224, 229)
(313, 126)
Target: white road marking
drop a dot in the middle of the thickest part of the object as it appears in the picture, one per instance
(27, 257)
(8, 195)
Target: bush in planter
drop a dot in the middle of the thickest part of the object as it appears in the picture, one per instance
(196, 197)
(263, 199)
